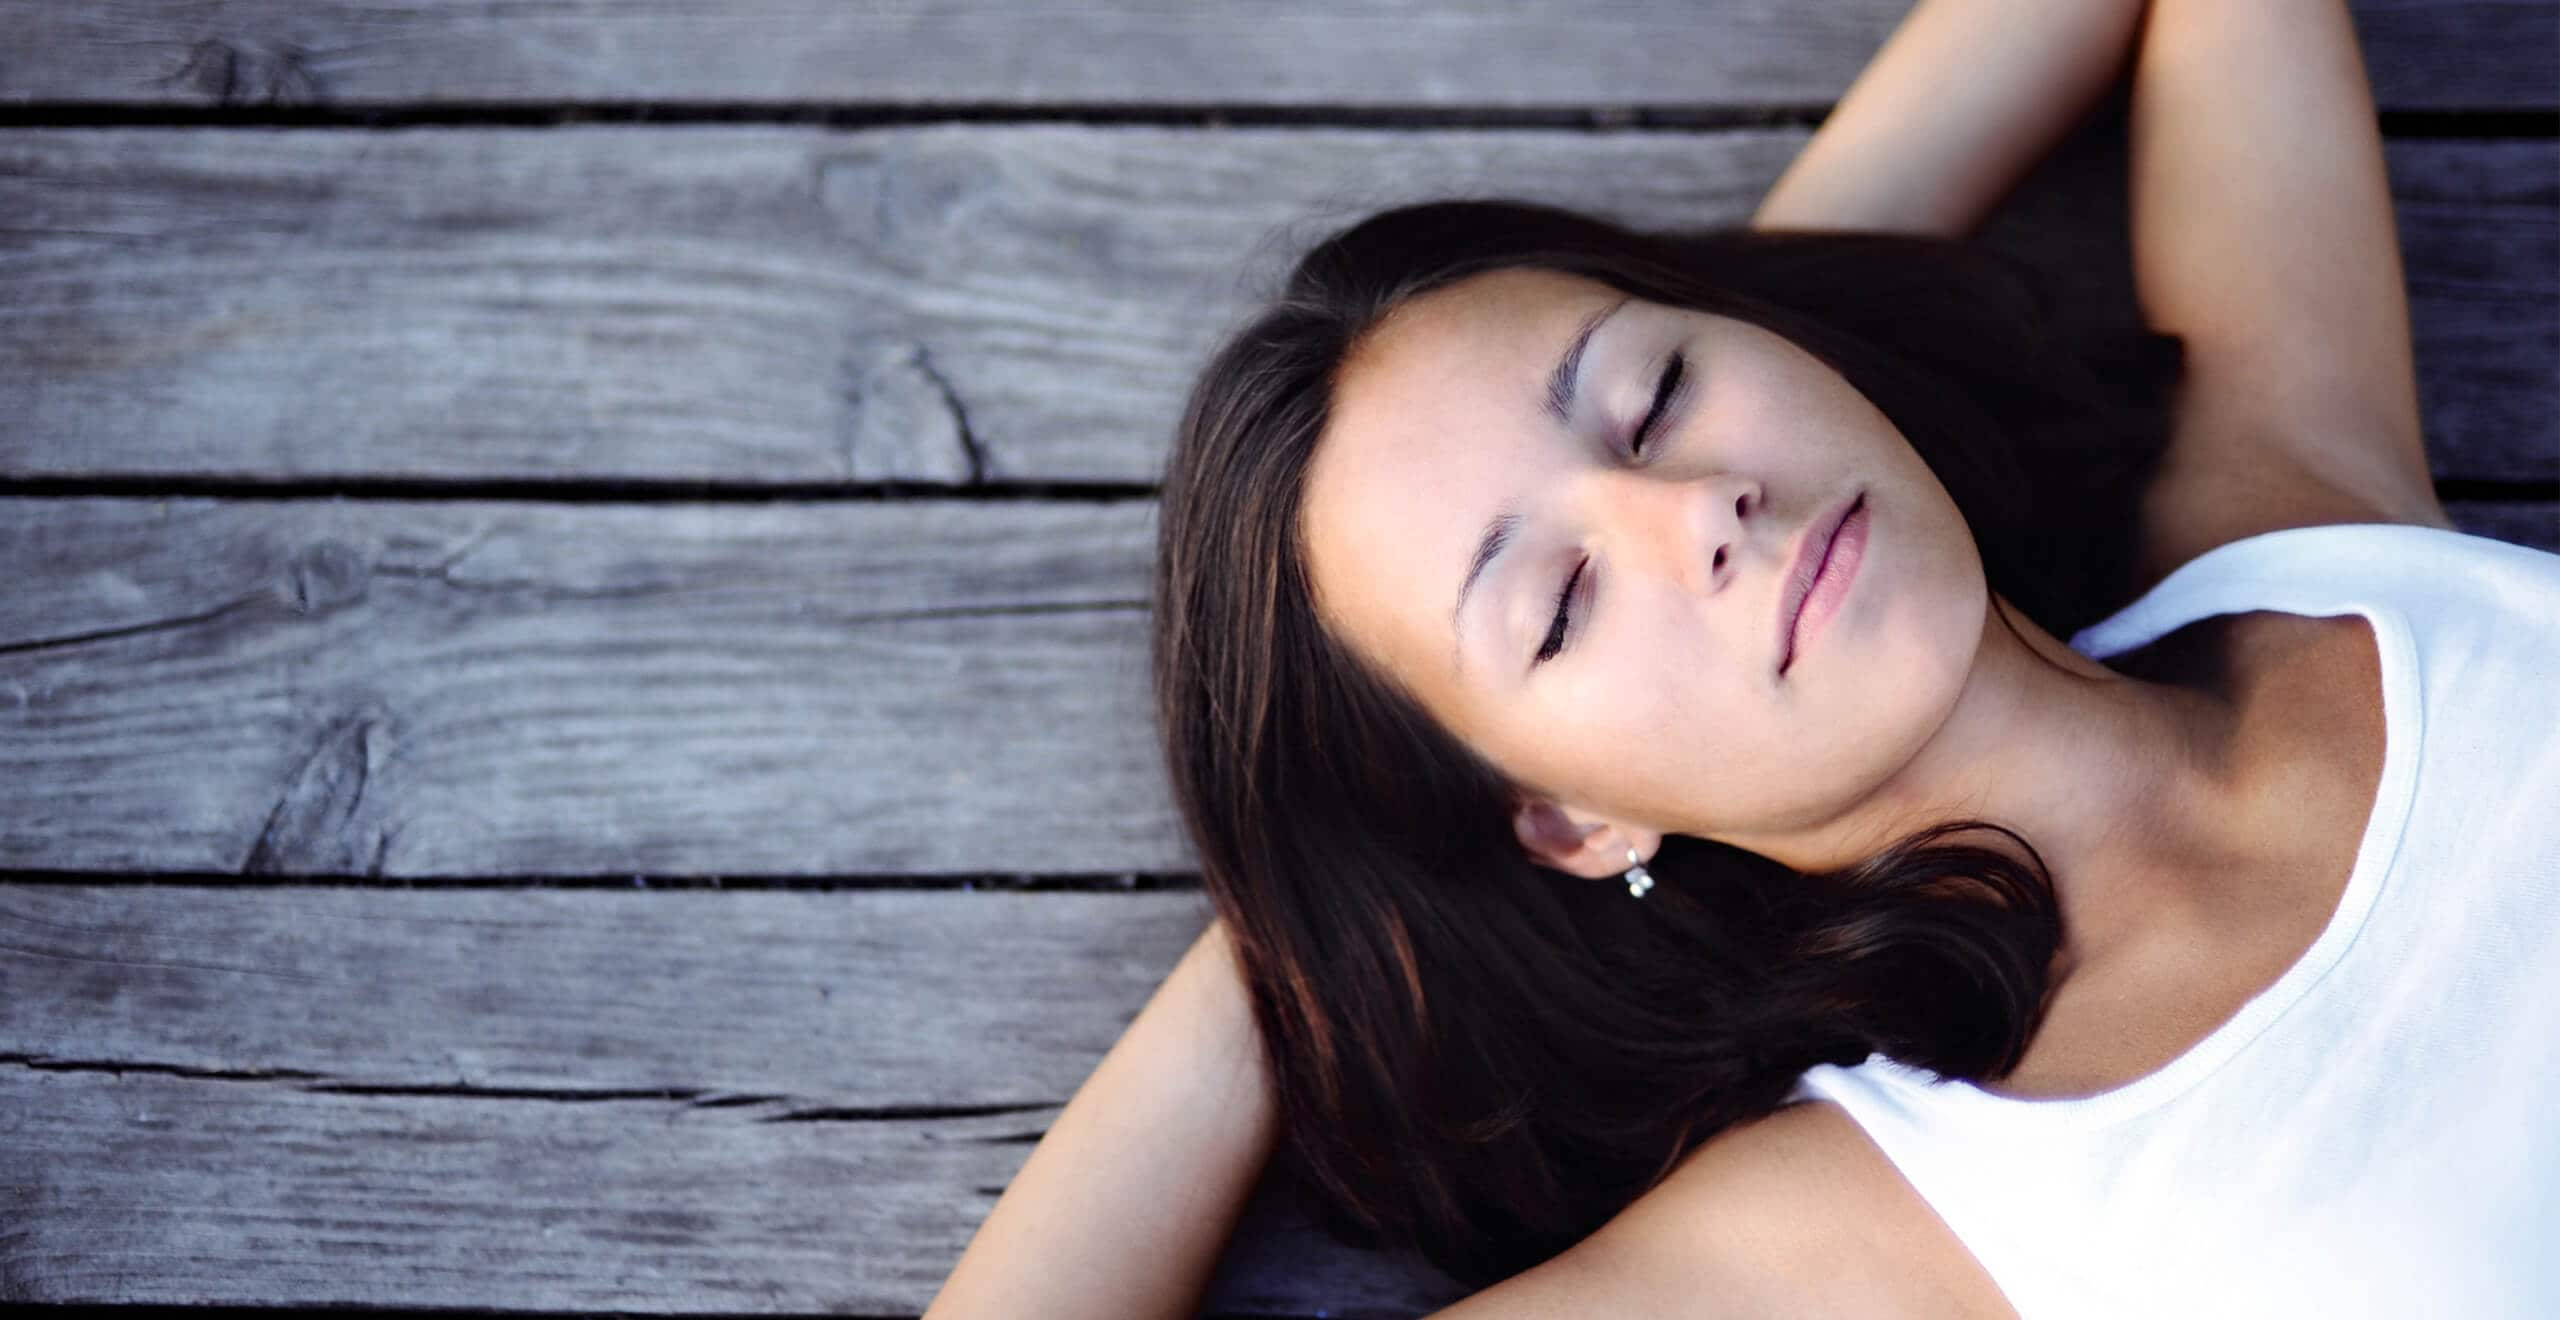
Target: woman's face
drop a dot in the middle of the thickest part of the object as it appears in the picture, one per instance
(1662, 706)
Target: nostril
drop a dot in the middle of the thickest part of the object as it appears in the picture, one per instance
(1719, 556)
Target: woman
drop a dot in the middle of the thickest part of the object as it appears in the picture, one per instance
(1954, 971)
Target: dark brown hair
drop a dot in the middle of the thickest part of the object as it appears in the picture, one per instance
(1484, 1059)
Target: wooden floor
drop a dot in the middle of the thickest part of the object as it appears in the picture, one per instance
(572, 709)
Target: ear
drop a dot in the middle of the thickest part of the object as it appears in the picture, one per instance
(1596, 850)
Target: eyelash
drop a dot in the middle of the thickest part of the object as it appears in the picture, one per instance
(1671, 387)
(1668, 392)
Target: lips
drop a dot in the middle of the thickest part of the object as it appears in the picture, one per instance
(1811, 551)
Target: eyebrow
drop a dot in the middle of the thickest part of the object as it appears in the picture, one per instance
(1568, 373)
(1561, 385)
(1497, 534)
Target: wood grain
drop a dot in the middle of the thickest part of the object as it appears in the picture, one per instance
(2526, 522)
(460, 688)
(692, 1100)
(952, 304)
(2436, 54)
(787, 1005)
(142, 1188)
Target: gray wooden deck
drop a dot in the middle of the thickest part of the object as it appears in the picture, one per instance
(571, 696)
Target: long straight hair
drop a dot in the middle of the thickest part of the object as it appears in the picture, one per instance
(1483, 1059)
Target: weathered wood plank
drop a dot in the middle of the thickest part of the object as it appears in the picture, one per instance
(461, 688)
(785, 1004)
(2472, 220)
(946, 304)
(2526, 522)
(744, 306)
(473, 689)
(2458, 54)
(140, 1188)
(664, 1100)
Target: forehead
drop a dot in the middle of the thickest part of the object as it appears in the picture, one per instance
(1496, 314)
(1438, 419)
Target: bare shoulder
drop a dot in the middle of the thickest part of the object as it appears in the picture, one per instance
(1803, 1214)
(1796, 1213)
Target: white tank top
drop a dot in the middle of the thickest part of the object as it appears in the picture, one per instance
(2377, 1133)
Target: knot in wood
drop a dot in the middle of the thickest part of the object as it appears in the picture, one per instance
(328, 576)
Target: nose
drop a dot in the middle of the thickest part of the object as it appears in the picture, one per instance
(1696, 530)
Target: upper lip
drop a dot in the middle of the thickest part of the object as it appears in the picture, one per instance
(1803, 565)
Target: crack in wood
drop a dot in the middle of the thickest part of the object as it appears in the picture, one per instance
(321, 580)
(131, 630)
(319, 1084)
(970, 449)
(899, 413)
(1114, 882)
(468, 1091)
(901, 1113)
(356, 488)
(119, 1067)
(993, 611)
(736, 1101)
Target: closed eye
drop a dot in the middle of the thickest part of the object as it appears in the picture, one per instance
(1666, 392)
(1555, 632)
(1674, 375)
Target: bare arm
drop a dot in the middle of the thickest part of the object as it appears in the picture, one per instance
(1124, 1207)
(2263, 236)
(1958, 104)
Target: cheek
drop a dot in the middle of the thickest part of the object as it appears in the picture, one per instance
(1678, 737)
(1919, 645)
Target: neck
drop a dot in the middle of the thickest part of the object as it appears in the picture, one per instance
(2130, 790)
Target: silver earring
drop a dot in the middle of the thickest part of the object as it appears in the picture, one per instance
(1638, 879)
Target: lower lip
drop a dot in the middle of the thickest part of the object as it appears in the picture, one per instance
(1848, 545)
